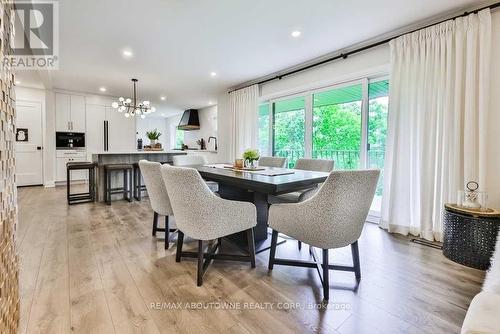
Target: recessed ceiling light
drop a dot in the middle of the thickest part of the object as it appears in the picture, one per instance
(17, 82)
(163, 98)
(210, 102)
(213, 74)
(102, 89)
(296, 33)
(127, 53)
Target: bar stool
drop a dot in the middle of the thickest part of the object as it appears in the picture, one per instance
(126, 190)
(84, 197)
(138, 186)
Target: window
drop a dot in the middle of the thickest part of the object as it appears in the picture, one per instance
(378, 107)
(345, 123)
(264, 129)
(288, 131)
(337, 126)
(179, 138)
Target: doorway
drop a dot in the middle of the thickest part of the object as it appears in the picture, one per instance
(29, 143)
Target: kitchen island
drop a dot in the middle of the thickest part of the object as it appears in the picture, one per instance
(125, 157)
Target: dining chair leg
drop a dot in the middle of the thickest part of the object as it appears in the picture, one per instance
(326, 283)
(167, 233)
(180, 240)
(155, 223)
(200, 263)
(272, 253)
(355, 260)
(251, 246)
(300, 245)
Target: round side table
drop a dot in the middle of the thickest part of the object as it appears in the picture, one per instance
(469, 236)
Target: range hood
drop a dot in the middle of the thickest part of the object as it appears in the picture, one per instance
(189, 120)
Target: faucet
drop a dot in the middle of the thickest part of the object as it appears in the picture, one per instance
(215, 141)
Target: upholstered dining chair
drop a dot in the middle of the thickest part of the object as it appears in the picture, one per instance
(194, 160)
(272, 162)
(203, 216)
(158, 197)
(315, 165)
(332, 218)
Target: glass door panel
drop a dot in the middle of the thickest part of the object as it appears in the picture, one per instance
(289, 128)
(337, 126)
(378, 107)
(264, 129)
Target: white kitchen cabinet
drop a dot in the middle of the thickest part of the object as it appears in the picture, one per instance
(94, 137)
(65, 156)
(63, 114)
(77, 104)
(121, 131)
(70, 112)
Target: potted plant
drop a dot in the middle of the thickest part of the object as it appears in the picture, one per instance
(153, 136)
(250, 157)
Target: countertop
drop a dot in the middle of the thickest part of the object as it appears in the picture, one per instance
(152, 152)
(137, 152)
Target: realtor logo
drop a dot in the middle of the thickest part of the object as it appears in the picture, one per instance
(35, 45)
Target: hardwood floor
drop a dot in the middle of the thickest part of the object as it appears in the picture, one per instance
(93, 268)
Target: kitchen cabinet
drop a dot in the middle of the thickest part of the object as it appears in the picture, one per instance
(121, 130)
(65, 156)
(70, 112)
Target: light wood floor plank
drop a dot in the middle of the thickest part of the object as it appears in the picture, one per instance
(94, 268)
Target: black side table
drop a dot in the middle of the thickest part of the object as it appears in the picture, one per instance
(469, 237)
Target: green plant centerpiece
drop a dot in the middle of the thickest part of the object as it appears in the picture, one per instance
(250, 157)
(153, 136)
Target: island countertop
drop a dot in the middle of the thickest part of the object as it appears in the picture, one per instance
(137, 152)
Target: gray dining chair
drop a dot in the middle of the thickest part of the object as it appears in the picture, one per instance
(158, 197)
(272, 162)
(315, 165)
(203, 216)
(194, 160)
(333, 218)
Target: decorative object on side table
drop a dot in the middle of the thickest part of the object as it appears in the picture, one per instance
(250, 156)
(470, 229)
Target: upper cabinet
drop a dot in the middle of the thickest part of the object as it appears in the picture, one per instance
(70, 112)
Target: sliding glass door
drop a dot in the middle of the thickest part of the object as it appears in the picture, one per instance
(288, 129)
(378, 108)
(337, 126)
(346, 123)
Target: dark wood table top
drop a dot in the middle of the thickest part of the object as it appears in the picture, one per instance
(273, 185)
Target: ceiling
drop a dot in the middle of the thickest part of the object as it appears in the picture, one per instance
(176, 44)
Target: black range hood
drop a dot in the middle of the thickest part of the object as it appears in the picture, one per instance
(189, 120)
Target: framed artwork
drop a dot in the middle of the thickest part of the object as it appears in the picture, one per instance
(21, 134)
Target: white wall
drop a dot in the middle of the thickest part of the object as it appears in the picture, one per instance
(369, 63)
(208, 128)
(151, 123)
(172, 123)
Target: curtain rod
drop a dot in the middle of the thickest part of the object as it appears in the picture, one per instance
(361, 49)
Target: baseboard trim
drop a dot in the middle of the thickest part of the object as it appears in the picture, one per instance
(49, 184)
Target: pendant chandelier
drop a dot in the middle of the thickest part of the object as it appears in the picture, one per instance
(130, 107)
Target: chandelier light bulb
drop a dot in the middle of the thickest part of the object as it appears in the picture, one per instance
(128, 101)
(138, 111)
(146, 103)
(114, 105)
(127, 114)
(143, 116)
(130, 107)
(121, 99)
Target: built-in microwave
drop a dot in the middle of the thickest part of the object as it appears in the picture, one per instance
(70, 140)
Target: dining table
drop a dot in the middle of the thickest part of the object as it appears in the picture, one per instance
(256, 187)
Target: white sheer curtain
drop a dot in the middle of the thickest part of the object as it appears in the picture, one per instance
(437, 121)
(244, 132)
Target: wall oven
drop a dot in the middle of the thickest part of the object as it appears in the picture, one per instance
(70, 140)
